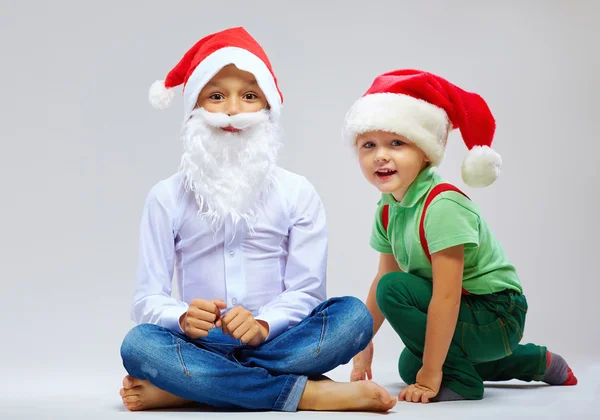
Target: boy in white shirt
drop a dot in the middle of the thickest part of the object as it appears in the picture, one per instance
(248, 241)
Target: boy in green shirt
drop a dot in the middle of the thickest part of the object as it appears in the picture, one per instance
(444, 282)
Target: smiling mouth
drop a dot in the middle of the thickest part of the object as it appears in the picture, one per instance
(385, 173)
(231, 129)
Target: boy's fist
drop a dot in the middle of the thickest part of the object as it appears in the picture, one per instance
(239, 323)
(201, 316)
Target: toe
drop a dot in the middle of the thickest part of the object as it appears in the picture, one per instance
(131, 399)
(129, 392)
(136, 382)
(133, 406)
(131, 382)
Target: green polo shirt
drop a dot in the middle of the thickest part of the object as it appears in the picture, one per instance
(451, 220)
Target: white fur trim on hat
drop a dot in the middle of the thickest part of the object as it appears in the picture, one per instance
(243, 60)
(481, 167)
(424, 124)
(160, 96)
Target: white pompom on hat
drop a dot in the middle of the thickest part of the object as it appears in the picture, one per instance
(424, 108)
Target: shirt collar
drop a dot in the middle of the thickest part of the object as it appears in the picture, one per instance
(415, 192)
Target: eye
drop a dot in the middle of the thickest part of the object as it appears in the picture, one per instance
(217, 97)
(369, 145)
(250, 96)
(397, 143)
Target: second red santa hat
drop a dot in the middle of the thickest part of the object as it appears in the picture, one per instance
(424, 108)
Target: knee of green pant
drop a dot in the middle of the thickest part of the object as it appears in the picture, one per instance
(408, 366)
(384, 287)
(470, 392)
(407, 371)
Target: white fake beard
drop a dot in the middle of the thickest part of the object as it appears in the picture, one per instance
(229, 172)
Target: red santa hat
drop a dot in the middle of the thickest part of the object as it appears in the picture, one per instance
(424, 108)
(206, 58)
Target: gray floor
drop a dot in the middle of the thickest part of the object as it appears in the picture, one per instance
(94, 395)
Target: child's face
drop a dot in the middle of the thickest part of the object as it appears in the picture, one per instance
(232, 91)
(389, 161)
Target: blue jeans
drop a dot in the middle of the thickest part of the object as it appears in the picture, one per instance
(223, 372)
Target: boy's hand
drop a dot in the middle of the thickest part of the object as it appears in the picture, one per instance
(201, 317)
(427, 386)
(362, 364)
(239, 323)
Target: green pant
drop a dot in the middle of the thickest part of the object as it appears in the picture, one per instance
(485, 345)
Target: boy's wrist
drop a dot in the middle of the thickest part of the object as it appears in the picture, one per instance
(431, 367)
(263, 333)
(264, 329)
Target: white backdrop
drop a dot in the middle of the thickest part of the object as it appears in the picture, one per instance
(82, 146)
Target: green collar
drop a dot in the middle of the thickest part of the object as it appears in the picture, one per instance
(415, 192)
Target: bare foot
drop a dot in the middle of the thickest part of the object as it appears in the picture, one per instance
(140, 395)
(345, 396)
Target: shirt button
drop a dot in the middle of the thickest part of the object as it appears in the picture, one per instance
(234, 301)
(231, 253)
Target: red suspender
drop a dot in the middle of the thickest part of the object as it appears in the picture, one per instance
(438, 189)
(385, 216)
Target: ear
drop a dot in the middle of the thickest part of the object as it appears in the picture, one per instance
(426, 162)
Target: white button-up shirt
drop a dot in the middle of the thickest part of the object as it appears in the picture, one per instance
(278, 272)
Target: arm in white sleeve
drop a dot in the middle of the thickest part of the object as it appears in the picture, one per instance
(305, 273)
(152, 302)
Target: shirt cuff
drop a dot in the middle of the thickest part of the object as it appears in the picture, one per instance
(170, 317)
(277, 320)
(438, 246)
